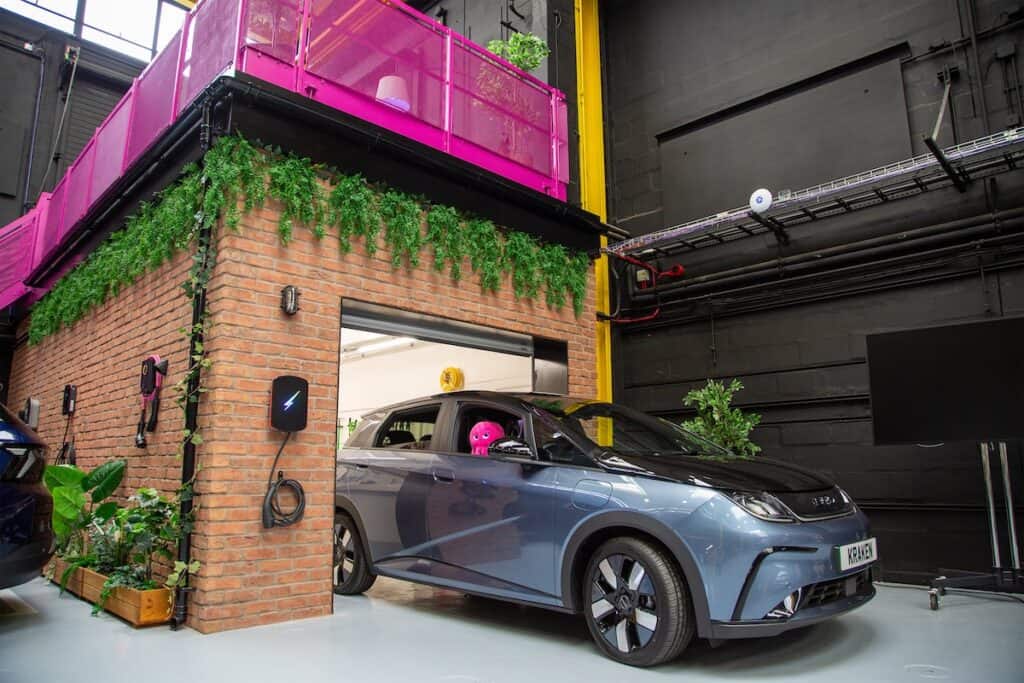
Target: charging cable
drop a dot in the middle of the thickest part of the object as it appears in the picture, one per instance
(273, 514)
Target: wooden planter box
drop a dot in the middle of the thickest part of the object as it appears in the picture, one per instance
(139, 608)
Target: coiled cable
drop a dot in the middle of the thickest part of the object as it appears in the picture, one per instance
(273, 514)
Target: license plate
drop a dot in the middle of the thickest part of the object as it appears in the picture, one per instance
(857, 554)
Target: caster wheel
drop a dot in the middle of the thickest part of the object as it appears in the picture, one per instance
(933, 599)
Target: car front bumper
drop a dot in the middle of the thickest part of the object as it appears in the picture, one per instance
(762, 628)
(25, 562)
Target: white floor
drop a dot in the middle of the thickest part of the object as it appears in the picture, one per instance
(401, 632)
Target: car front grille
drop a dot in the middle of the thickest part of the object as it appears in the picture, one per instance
(829, 591)
(810, 505)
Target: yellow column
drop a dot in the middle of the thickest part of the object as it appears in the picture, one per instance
(592, 183)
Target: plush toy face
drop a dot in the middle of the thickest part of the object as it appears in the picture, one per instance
(483, 434)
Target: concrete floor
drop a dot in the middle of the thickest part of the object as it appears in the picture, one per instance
(402, 632)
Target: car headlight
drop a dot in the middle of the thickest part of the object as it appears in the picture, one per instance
(846, 499)
(762, 505)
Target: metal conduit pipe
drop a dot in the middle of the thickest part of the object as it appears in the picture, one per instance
(926, 235)
(755, 302)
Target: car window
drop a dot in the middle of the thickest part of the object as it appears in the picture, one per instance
(411, 428)
(554, 446)
(478, 428)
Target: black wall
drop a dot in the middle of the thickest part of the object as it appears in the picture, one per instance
(709, 100)
(102, 78)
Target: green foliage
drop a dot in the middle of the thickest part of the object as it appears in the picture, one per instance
(237, 175)
(179, 575)
(718, 422)
(351, 208)
(76, 500)
(522, 260)
(294, 181)
(120, 542)
(446, 234)
(525, 50)
(402, 228)
(486, 256)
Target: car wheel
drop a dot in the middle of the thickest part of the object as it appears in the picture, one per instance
(352, 574)
(636, 603)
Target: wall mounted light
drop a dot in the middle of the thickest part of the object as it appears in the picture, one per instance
(290, 299)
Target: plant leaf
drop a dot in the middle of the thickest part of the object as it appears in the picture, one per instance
(103, 480)
(62, 475)
(68, 502)
(105, 511)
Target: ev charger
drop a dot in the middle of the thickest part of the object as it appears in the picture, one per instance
(67, 406)
(289, 403)
(30, 413)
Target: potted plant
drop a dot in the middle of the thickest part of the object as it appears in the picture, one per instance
(718, 422)
(106, 551)
(525, 51)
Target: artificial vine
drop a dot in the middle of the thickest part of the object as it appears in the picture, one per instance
(402, 230)
(238, 176)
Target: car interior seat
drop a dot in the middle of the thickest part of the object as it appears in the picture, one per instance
(396, 437)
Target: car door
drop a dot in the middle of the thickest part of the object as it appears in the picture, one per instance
(488, 518)
(389, 478)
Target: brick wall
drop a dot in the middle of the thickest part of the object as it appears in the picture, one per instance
(102, 354)
(251, 575)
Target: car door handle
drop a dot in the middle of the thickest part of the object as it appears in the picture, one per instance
(444, 476)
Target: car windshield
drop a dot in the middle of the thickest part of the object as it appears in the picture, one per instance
(611, 429)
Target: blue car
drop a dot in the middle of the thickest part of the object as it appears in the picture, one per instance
(26, 508)
(653, 534)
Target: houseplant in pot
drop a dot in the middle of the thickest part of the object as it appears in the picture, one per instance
(106, 551)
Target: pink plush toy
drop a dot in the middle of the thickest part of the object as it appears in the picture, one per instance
(483, 435)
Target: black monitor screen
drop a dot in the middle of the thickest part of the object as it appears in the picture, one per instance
(955, 383)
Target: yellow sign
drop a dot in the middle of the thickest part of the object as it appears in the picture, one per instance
(452, 379)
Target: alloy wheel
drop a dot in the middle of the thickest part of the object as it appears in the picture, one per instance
(344, 552)
(623, 603)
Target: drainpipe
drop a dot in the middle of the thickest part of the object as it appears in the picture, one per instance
(188, 459)
(26, 202)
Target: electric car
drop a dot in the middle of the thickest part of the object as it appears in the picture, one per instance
(654, 535)
(26, 508)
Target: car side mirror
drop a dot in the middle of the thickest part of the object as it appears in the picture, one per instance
(511, 449)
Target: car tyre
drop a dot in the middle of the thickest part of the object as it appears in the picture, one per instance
(351, 571)
(636, 603)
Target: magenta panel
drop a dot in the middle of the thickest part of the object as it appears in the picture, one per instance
(562, 139)
(388, 56)
(17, 242)
(110, 143)
(52, 229)
(79, 177)
(272, 28)
(154, 99)
(495, 108)
(210, 48)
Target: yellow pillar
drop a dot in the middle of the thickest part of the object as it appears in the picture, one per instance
(592, 183)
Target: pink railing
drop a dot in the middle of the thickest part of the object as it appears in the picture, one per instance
(376, 59)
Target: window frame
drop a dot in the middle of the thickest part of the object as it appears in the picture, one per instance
(452, 436)
(390, 419)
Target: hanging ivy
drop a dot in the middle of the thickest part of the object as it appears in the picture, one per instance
(446, 234)
(237, 175)
(521, 259)
(486, 253)
(294, 182)
(402, 230)
(351, 208)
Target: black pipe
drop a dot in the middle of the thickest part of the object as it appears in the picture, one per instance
(766, 302)
(26, 201)
(824, 256)
(188, 458)
(976, 66)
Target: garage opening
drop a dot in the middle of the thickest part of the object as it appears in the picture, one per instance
(389, 355)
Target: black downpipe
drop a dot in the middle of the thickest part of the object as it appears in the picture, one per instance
(26, 200)
(188, 459)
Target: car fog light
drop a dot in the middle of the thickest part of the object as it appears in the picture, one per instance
(788, 607)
